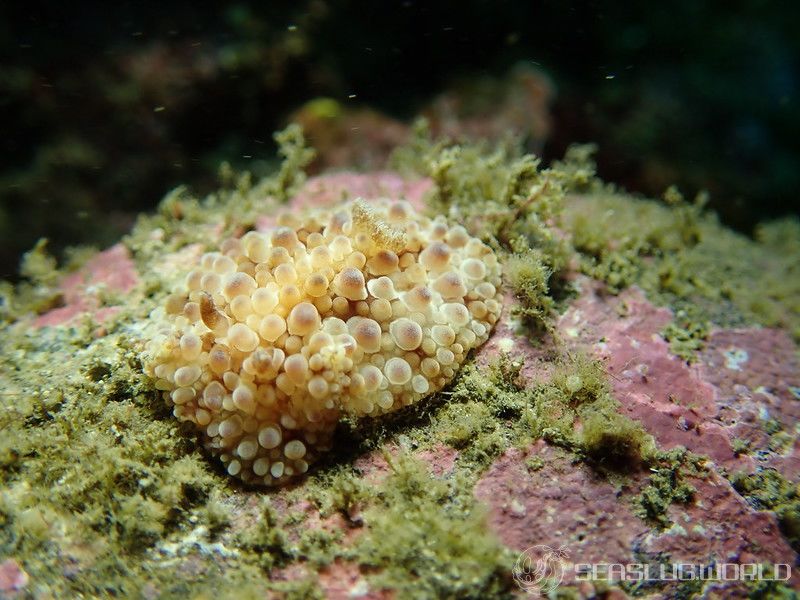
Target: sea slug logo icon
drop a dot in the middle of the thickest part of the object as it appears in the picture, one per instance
(539, 569)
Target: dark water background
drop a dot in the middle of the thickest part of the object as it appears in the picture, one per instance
(106, 106)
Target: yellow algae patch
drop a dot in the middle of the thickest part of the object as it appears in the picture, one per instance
(357, 309)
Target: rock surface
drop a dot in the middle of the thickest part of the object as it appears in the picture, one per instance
(744, 385)
(109, 272)
(743, 378)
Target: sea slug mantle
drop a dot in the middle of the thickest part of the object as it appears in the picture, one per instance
(357, 309)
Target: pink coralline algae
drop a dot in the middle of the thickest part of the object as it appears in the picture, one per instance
(327, 190)
(668, 396)
(13, 579)
(109, 272)
(720, 523)
(559, 504)
(569, 505)
(756, 374)
(743, 380)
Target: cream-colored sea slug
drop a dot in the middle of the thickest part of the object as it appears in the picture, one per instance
(358, 309)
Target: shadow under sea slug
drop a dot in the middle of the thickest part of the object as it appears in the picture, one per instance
(357, 309)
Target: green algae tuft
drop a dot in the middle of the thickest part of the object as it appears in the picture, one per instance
(667, 484)
(615, 440)
(687, 334)
(767, 489)
(683, 258)
(528, 274)
(426, 539)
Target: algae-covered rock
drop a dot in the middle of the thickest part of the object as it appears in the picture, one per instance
(587, 421)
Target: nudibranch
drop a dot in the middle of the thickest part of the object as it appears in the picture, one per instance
(356, 309)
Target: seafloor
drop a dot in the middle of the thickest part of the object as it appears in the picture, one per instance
(638, 402)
